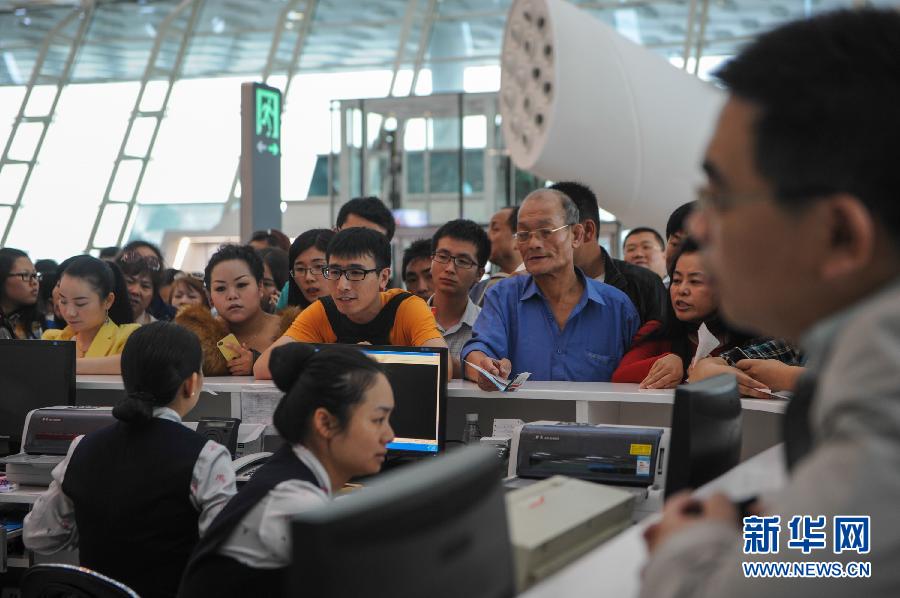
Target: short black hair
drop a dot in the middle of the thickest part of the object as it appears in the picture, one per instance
(645, 229)
(156, 360)
(827, 91)
(334, 378)
(465, 230)
(273, 238)
(584, 198)
(513, 218)
(133, 245)
(420, 248)
(229, 252)
(110, 252)
(359, 242)
(370, 208)
(676, 223)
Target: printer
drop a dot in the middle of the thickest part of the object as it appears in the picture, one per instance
(633, 458)
(46, 438)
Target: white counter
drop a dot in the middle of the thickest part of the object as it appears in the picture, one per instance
(614, 568)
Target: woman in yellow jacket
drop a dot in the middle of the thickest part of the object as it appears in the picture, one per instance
(94, 302)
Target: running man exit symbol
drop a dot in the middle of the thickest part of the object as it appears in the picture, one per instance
(268, 113)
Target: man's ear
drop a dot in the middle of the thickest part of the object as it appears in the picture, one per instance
(384, 278)
(851, 236)
(577, 235)
(590, 230)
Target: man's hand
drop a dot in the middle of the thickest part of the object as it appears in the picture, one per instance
(498, 367)
(243, 364)
(683, 510)
(772, 373)
(666, 372)
(713, 366)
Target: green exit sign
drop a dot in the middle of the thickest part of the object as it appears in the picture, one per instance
(268, 114)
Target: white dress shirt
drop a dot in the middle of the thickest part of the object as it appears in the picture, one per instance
(263, 539)
(50, 526)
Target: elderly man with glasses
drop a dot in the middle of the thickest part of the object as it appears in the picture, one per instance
(555, 322)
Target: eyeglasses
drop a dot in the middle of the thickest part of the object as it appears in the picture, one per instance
(523, 236)
(133, 257)
(27, 277)
(302, 272)
(353, 274)
(460, 261)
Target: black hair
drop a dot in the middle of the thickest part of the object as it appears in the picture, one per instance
(169, 276)
(48, 283)
(277, 260)
(156, 360)
(316, 237)
(359, 242)
(584, 198)
(334, 378)
(109, 252)
(140, 267)
(273, 237)
(646, 229)
(229, 252)
(104, 278)
(29, 313)
(676, 223)
(827, 91)
(134, 245)
(46, 265)
(677, 331)
(513, 218)
(465, 230)
(370, 208)
(418, 249)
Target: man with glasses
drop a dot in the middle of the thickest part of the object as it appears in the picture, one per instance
(555, 322)
(358, 311)
(460, 250)
(802, 172)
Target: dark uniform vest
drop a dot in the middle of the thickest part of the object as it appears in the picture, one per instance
(130, 484)
(376, 332)
(212, 574)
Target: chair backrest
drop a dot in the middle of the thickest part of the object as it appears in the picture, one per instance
(70, 581)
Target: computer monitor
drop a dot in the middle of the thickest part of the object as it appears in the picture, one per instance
(33, 374)
(706, 432)
(437, 529)
(418, 377)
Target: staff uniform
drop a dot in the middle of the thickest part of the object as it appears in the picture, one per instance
(134, 499)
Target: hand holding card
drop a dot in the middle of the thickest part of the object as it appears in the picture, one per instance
(502, 385)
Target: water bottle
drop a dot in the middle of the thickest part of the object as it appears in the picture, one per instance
(471, 433)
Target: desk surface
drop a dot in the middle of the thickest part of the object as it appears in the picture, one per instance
(23, 495)
(616, 565)
(551, 391)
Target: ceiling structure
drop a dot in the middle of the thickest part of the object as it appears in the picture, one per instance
(233, 37)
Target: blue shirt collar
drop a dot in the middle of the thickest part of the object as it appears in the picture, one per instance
(593, 290)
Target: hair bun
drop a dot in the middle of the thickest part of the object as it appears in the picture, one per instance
(288, 362)
(142, 396)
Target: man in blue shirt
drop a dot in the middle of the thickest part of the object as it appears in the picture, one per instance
(555, 322)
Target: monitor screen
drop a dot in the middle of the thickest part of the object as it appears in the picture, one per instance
(33, 374)
(706, 432)
(418, 377)
(436, 529)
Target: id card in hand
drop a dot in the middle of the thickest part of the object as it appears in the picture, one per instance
(501, 384)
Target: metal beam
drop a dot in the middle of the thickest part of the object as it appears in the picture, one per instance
(169, 28)
(80, 16)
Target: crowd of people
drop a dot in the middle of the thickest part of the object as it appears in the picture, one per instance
(536, 292)
(799, 176)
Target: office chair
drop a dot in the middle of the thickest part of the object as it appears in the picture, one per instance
(70, 581)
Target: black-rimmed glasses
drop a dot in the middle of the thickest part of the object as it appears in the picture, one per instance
(351, 274)
(460, 261)
(300, 272)
(27, 276)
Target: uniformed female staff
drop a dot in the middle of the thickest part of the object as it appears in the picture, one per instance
(136, 496)
(334, 417)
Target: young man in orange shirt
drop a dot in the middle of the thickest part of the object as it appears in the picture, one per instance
(357, 311)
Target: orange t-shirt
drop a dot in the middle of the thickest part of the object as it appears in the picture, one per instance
(413, 325)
